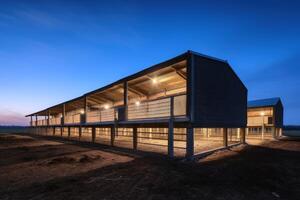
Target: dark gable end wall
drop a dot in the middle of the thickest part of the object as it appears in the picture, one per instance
(220, 98)
(279, 115)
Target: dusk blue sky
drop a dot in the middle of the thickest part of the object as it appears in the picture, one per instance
(52, 51)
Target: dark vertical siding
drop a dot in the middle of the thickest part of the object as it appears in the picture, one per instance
(220, 98)
(279, 114)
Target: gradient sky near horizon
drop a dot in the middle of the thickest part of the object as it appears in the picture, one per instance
(52, 51)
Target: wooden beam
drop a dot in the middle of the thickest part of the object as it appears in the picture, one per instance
(92, 102)
(137, 91)
(103, 98)
(98, 99)
(181, 74)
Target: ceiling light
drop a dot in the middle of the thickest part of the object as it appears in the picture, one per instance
(137, 103)
(154, 80)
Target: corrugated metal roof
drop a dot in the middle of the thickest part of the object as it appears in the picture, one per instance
(263, 102)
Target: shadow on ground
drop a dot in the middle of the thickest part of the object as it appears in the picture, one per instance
(267, 171)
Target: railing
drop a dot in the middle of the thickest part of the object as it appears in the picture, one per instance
(55, 121)
(157, 108)
(105, 115)
(41, 122)
(258, 121)
(72, 119)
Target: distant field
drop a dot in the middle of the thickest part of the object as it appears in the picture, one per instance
(12, 129)
(292, 133)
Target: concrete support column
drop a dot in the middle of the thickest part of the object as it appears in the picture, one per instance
(225, 137)
(189, 142)
(134, 131)
(93, 134)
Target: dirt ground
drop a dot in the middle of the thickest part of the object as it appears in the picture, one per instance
(39, 168)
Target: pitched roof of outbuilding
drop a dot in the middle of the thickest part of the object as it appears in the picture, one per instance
(263, 102)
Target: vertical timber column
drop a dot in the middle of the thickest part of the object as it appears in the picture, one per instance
(125, 100)
(85, 109)
(171, 130)
(80, 132)
(53, 130)
(225, 137)
(189, 142)
(243, 135)
(31, 121)
(63, 119)
(134, 131)
(273, 132)
(93, 134)
(36, 120)
(69, 131)
(112, 135)
(239, 133)
(63, 114)
(46, 126)
(262, 132)
(48, 120)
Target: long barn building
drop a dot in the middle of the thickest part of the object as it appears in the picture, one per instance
(265, 119)
(184, 106)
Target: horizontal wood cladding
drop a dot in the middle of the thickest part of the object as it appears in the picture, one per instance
(219, 97)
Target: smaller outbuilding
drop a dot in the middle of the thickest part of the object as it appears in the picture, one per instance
(265, 118)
